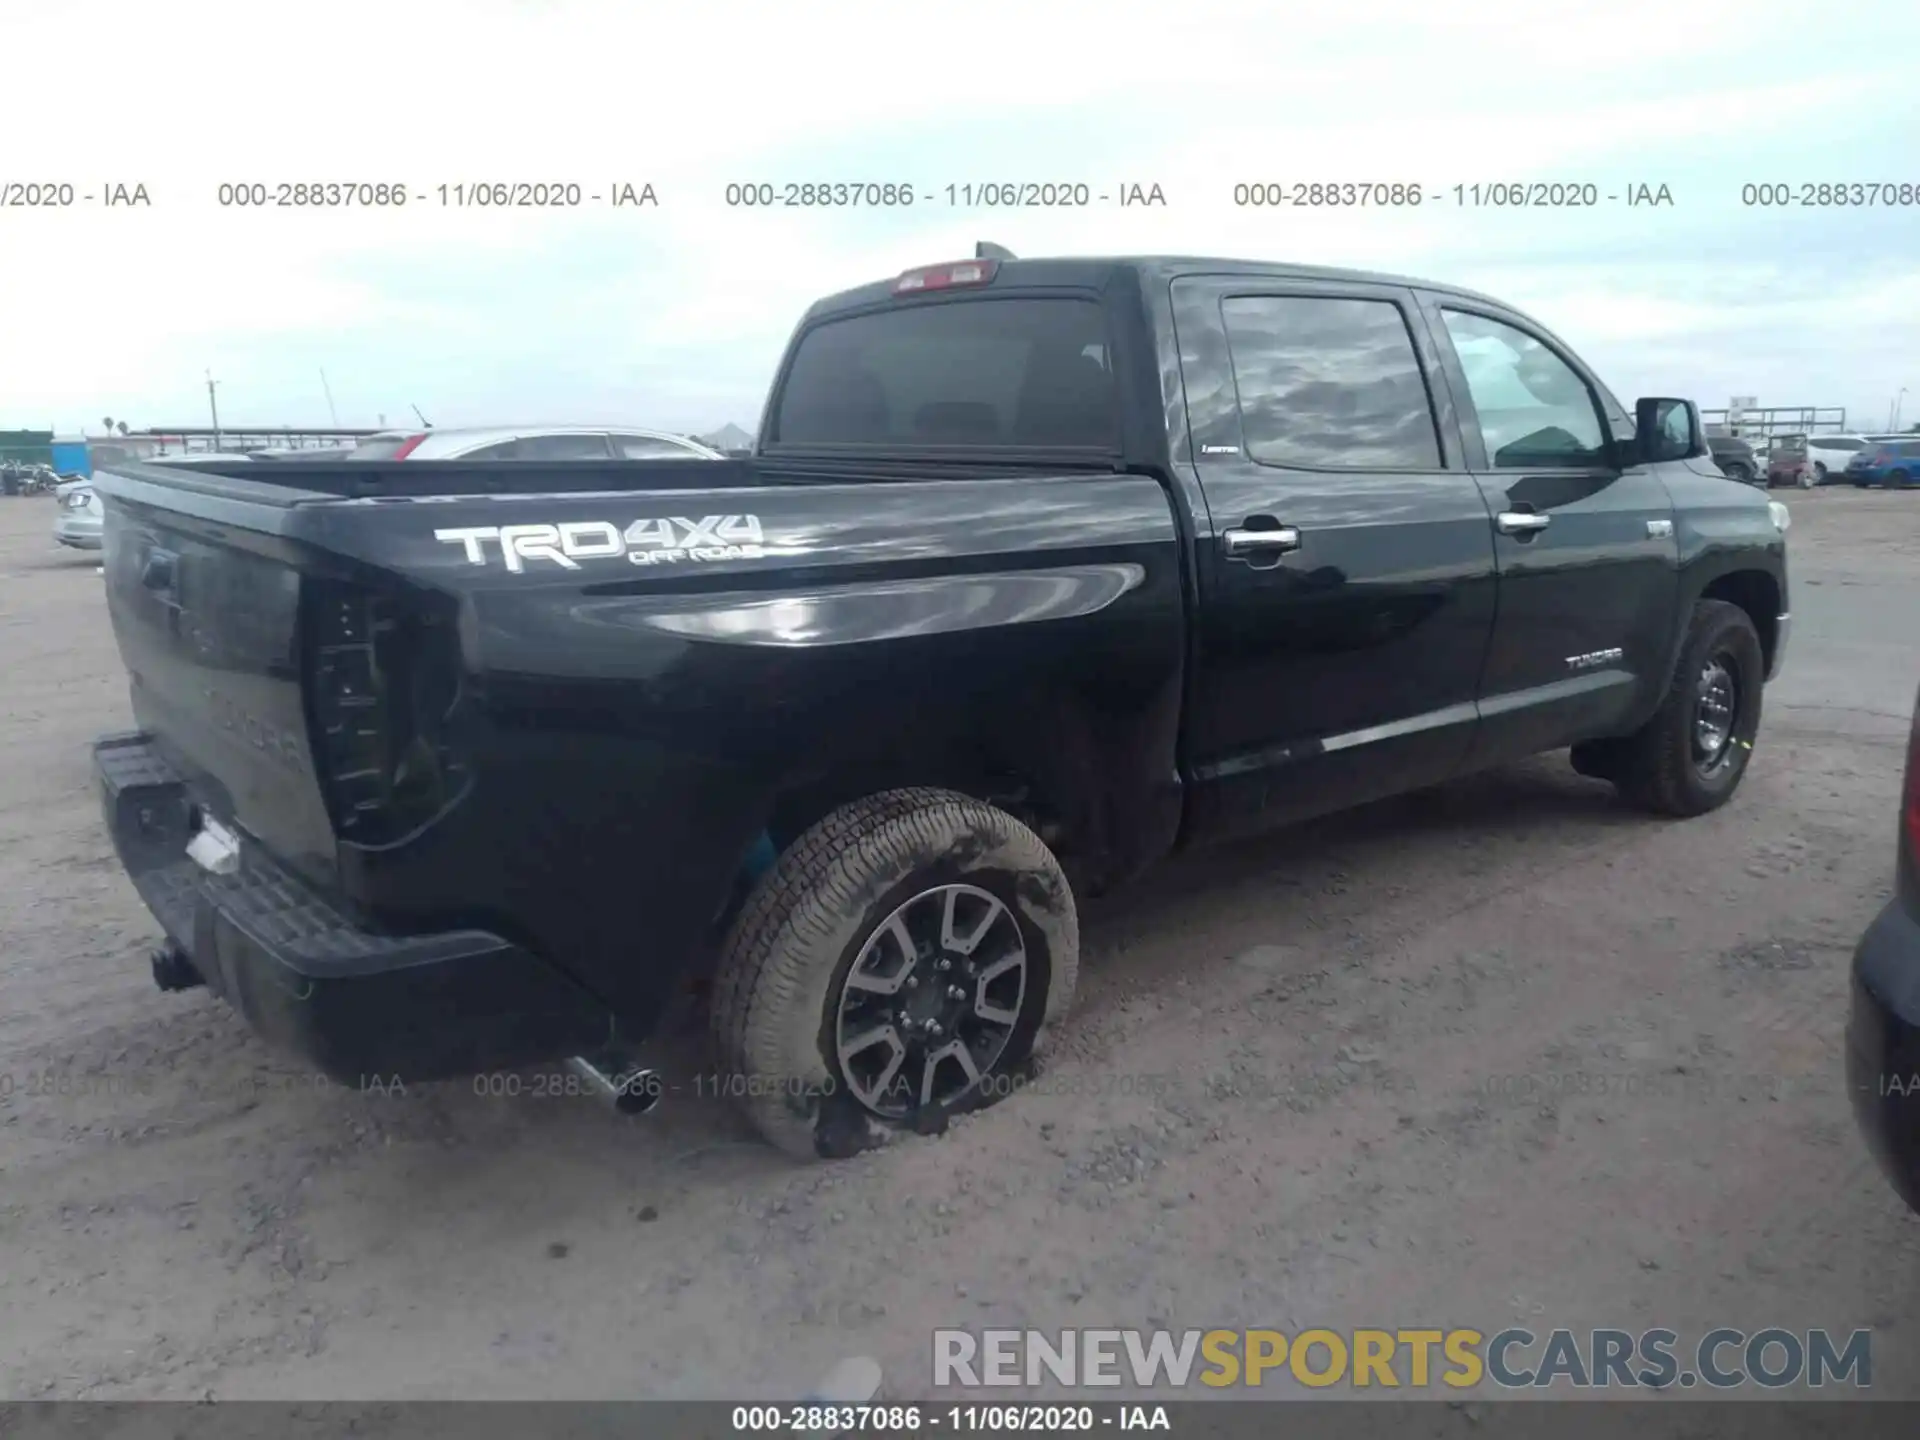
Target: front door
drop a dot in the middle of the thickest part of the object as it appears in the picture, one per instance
(1589, 565)
(1346, 569)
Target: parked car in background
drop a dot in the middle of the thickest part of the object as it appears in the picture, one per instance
(77, 520)
(1831, 454)
(1788, 463)
(1883, 1030)
(1735, 458)
(1890, 463)
(532, 442)
(76, 523)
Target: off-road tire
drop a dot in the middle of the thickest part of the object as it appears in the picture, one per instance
(804, 924)
(1655, 767)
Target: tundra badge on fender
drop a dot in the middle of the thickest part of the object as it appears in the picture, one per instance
(1593, 659)
(644, 542)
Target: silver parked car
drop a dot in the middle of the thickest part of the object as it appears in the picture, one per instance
(532, 442)
(76, 524)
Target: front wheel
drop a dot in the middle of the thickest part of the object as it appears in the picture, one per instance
(1734, 470)
(900, 964)
(1690, 757)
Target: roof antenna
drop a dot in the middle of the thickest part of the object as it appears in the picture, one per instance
(425, 424)
(987, 250)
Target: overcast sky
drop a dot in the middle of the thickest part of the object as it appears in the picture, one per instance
(675, 315)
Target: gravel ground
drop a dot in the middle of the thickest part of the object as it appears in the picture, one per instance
(1386, 1003)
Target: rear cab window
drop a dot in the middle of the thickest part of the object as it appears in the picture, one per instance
(988, 371)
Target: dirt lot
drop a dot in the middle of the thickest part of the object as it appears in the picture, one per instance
(1397, 996)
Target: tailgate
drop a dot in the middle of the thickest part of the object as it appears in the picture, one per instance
(206, 611)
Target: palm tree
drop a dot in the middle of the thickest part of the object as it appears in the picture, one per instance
(107, 424)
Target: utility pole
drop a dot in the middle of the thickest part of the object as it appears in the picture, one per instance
(214, 406)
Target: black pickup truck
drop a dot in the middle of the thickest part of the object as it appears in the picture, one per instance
(1042, 568)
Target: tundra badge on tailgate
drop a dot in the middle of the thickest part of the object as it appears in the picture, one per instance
(644, 542)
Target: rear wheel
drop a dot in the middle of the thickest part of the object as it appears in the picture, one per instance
(1690, 757)
(899, 965)
(1819, 473)
(1737, 470)
(1898, 480)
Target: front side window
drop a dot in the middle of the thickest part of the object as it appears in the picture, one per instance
(1329, 383)
(1535, 411)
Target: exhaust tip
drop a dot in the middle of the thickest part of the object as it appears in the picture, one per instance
(630, 1089)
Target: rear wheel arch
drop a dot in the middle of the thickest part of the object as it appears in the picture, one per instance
(1052, 767)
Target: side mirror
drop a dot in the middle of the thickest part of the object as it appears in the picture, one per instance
(1667, 429)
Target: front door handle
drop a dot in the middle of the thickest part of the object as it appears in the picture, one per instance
(1245, 544)
(1521, 522)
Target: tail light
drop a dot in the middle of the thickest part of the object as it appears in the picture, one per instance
(953, 275)
(383, 684)
(407, 447)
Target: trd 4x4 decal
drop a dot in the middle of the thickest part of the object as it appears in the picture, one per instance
(666, 540)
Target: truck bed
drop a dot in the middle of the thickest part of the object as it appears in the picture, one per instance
(360, 480)
(558, 703)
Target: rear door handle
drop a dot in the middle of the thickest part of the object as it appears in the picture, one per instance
(1244, 544)
(1521, 522)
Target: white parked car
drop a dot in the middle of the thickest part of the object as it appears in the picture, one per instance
(1830, 454)
(532, 442)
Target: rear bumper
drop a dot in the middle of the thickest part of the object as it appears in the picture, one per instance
(80, 533)
(1883, 1046)
(354, 1002)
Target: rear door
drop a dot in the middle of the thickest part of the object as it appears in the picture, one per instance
(1347, 584)
(1589, 565)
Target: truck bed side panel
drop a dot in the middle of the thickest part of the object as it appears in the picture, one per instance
(645, 675)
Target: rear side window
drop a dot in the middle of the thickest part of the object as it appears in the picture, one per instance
(563, 447)
(1835, 442)
(650, 447)
(504, 450)
(1329, 384)
(1014, 372)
